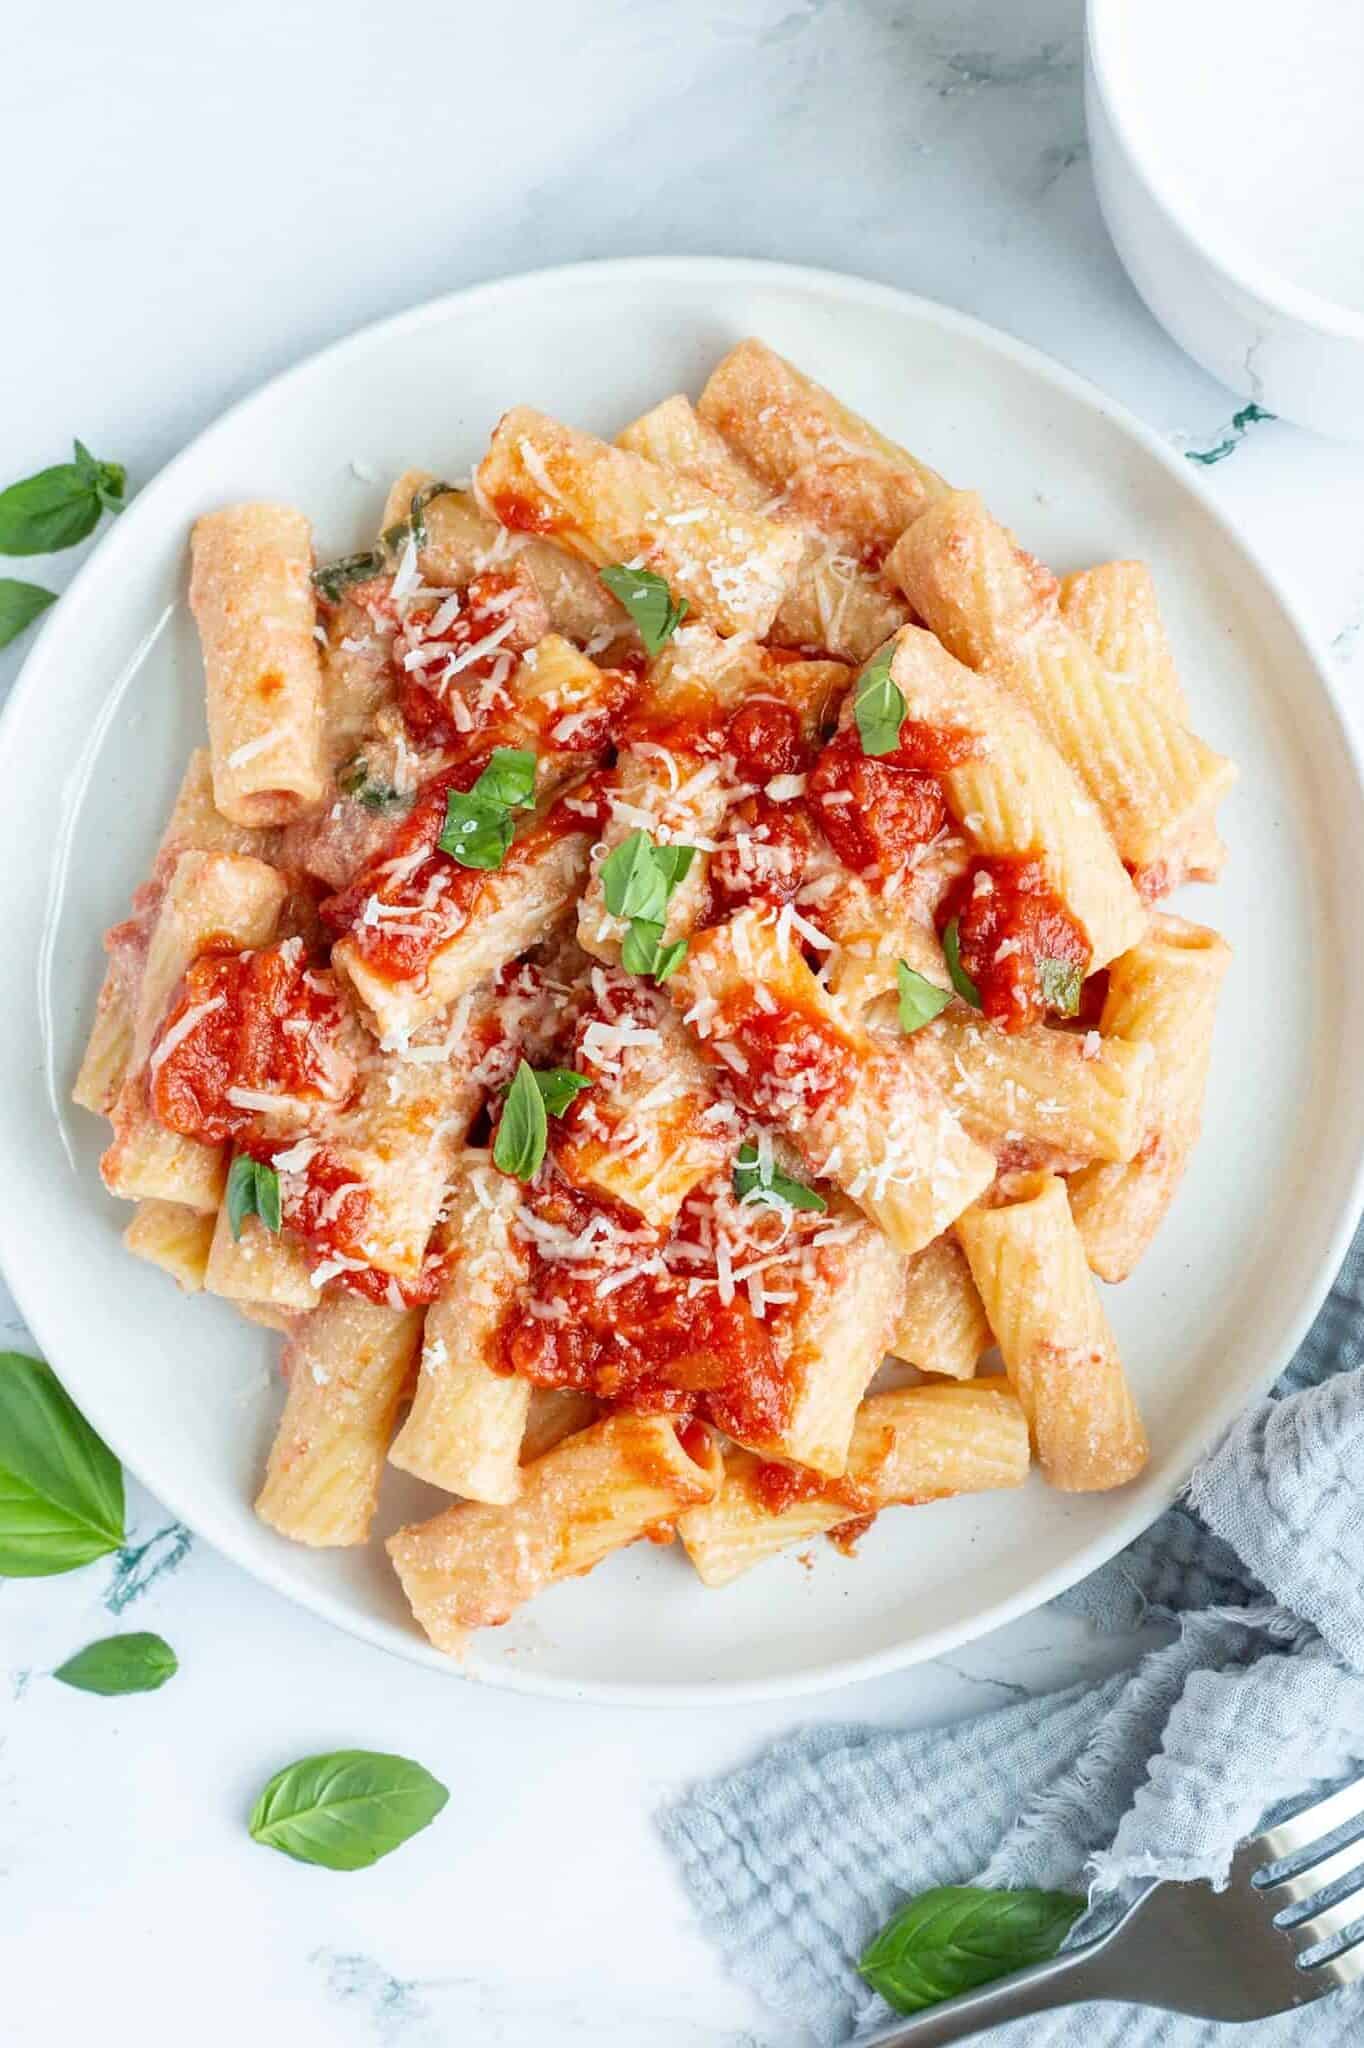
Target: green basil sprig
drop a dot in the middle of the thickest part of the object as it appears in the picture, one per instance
(879, 705)
(523, 1129)
(252, 1190)
(120, 1664)
(921, 1000)
(20, 605)
(355, 780)
(1060, 982)
(61, 1487)
(749, 1179)
(961, 980)
(649, 602)
(559, 1086)
(958, 1937)
(638, 879)
(335, 577)
(57, 507)
(347, 1809)
(478, 822)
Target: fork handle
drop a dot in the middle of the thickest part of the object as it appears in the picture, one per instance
(1071, 1978)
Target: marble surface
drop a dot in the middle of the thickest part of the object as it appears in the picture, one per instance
(198, 197)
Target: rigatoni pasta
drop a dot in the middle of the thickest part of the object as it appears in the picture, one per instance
(614, 979)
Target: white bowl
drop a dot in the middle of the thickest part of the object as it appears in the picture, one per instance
(92, 744)
(1228, 153)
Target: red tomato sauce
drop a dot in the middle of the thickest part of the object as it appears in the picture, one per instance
(652, 1344)
(521, 512)
(1008, 920)
(382, 1288)
(425, 703)
(795, 1061)
(876, 813)
(431, 903)
(763, 860)
(243, 1043)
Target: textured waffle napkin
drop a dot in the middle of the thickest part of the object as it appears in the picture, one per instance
(795, 1862)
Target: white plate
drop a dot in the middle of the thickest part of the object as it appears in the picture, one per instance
(111, 700)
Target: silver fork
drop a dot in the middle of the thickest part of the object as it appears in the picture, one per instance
(1186, 1948)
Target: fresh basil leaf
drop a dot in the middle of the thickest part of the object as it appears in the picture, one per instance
(61, 1488)
(921, 1000)
(748, 1180)
(1060, 982)
(354, 780)
(957, 1937)
(669, 959)
(629, 878)
(638, 878)
(674, 864)
(879, 705)
(267, 1196)
(120, 1664)
(523, 1130)
(252, 1190)
(639, 949)
(57, 507)
(20, 605)
(961, 980)
(559, 1086)
(395, 538)
(477, 833)
(508, 779)
(334, 577)
(346, 1810)
(649, 602)
(108, 479)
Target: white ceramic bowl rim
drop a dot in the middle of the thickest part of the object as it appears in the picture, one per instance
(1128, 1521)
(1232, 263)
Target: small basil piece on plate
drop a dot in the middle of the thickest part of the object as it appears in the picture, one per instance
(879, 705)
(749, 1179)
(1060, 982)
(120, 1664)
(921, 1000)
(959, 1936)
(61, 1487)
(961, 980)
(649, 602)
(347, 1809)
(252, 1190)
(523, 1128)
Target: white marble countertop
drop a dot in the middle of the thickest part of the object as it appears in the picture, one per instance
(197, 198)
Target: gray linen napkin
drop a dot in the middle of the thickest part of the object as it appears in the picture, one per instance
(794, 1862)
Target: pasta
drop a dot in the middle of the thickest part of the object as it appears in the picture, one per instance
(1161, 995)
(911, 1446)
(665, 929)
(1027, 1260)
(996, 609)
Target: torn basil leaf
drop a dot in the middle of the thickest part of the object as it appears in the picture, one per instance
(523, 1129)
(649, 602)
(252, 1190)
(961, 980)
(879, 705)
(749, 1179)
(1060, 982)
(921, 1000)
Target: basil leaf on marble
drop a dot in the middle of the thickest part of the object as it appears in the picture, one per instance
(346, 1809)
(61, 1487)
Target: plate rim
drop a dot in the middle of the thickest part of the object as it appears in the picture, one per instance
(717, 273)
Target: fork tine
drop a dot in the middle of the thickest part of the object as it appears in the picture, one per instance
(1301, 1829)
(1332, 1920)
(1306, 1883)
(1345, 1968)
